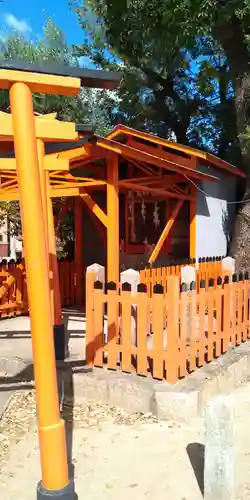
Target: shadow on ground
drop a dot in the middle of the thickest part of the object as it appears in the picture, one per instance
(24, 380)
(196, 455)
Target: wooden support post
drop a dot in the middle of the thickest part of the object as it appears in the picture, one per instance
(78, 213)
(41, 154)
(113, 252)
(55, 301)
(192, 224)
(51, 428)
(55, 294)
(165, 232)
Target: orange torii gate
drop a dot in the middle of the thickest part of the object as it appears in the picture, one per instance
(30, 184)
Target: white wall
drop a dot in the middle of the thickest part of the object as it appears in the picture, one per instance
(214, 214)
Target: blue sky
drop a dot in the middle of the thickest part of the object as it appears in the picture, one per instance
(29, 16)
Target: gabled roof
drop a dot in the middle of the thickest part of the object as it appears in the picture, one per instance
(122, 133)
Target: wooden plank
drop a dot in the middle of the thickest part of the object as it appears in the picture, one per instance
(158, 331)
(51, 164)
(173, 329)
(38, 82)
(234, 287)
(239, 313)
(142, 302)
(45, 129)
(218, 307)
(210, 333)
(98, 324)
(202, 330)
(165, 232)
(90, 279)
(183, 331)
(95, 209)
(113, 324)
(126, 333)
(193, 329)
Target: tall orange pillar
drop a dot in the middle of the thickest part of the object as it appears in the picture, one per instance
(113, 252)
(55, 293)
(78, 216)
(50, 427)
(55, 299)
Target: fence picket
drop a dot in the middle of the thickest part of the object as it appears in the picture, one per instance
(193, 327)
(183, 331)
(126, 327)
(90, 279)
(218, 307)
(158, 331)
(226, 334)
(173, 329)
(113, 322)
(234, 288)
(98, 323)
(202, 330)
(142, 328)
(210, 333)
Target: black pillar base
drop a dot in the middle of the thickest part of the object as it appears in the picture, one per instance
(59, 340)
(67, 493)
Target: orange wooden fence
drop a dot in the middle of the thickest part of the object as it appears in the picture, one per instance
(13, 288)
(206, 268)
(67, 278)
(176, 332)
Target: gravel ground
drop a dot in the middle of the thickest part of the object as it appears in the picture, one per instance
(116, 454)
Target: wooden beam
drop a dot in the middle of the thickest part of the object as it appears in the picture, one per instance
(45, 129)
(165, 232)
(113, 251)
(38, 82)
(169, 179)
(50, 164)
(61, 193)
(68, 185)
(157, 192)
(144, 168)
(178, 160)
(94, 207)
(123, 129)
(9, 196)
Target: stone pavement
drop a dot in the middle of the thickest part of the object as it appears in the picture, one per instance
(115, 458)
(16, 348)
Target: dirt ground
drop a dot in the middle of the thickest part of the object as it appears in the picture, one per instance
(116, 454)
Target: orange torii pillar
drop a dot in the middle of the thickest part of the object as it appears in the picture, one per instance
(55, 299)
(53, 453)
(113, 250)
(56, 306)
(78, 216)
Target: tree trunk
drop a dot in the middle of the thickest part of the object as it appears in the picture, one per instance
(232, 38)
(240, 246)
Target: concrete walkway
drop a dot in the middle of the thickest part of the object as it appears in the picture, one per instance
(116, 457)
(15, 339)
(16, 349)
